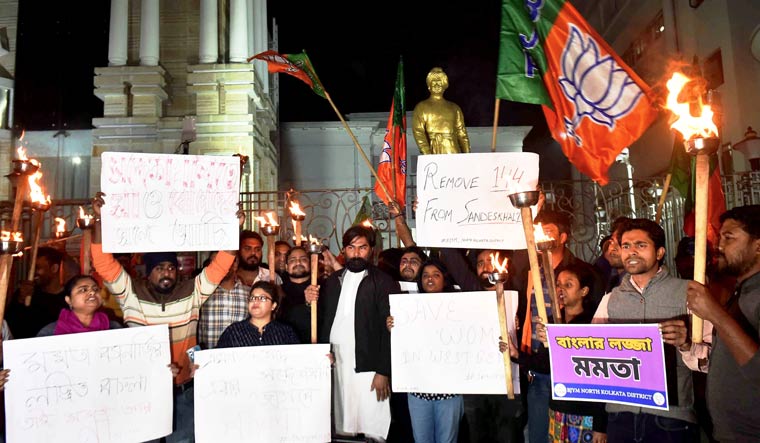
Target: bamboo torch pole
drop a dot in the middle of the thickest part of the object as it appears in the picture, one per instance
(314, 250)
(663, 197)
(495, 124)
(38, 214)
(700, 237)
(524, 200)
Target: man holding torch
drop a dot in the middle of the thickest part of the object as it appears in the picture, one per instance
(733, 382)
(160, 299)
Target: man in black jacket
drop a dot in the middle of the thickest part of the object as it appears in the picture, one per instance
(355, 309)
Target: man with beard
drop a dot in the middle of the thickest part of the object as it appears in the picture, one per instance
(412, 258)
(281, 248)
(161, 300)
(650, 294)
(355, 309)
(296, 310)
(229, 303)
(47, 296)
(733, 382)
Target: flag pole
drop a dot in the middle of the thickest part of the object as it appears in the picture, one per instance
(358, 146)
(663, 197)
(495, 125)
(351, 134)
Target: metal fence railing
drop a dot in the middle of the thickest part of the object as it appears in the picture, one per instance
(329, 212)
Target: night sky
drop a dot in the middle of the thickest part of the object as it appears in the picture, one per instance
(355, 54)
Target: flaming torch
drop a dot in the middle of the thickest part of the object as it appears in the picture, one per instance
(40, 204)
(60, 229)
(85, 222)
(270, 228)
(700, 136)
(498, 277)
(22, 167)
(524, 200)
(545, 244)
(298, 216)
(315, 248)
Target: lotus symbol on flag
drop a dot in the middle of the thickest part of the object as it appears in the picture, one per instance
(385, 156)
(598, 87)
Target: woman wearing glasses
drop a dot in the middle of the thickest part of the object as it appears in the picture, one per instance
(260, 329)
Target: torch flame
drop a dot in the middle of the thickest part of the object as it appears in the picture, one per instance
(688, 125)
(35, 190)
(303, 238)
(295, 209)
(500, 267)
(272, 220)
(83, 216)
(313, 240)
(368, 224)
(540, 235)
(60, 225)
(10, 236)
(269, 220)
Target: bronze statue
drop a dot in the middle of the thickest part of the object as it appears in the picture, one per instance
(438, 124)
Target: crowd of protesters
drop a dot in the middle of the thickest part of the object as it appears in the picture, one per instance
(233, 301)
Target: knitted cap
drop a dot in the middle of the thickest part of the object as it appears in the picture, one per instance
(153, 259)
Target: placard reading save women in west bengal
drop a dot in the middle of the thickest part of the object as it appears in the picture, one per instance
(463, 199)
(161, 202)
(608, 363)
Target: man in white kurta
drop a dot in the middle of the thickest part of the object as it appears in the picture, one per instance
(356, 305)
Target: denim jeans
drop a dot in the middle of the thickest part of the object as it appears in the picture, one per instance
(436, 421)
(539, 394)
(627, 427)
(184, 418)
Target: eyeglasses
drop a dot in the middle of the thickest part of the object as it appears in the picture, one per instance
(259, 298)
(292, 260)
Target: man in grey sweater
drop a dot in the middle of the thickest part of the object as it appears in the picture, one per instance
(733, 382)
(650, 295)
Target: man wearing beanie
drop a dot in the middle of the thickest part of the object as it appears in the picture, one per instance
(159, 299)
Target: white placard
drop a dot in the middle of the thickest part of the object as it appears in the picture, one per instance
(263, 394)
(109, 386)
(162, 202)
(449, 343)
(409, 286)
(463, 199)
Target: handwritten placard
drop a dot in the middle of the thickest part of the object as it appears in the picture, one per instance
(161, 202)
(449, 343)
(608, 363)
(109, 386)
(463, 203)
(263, 394)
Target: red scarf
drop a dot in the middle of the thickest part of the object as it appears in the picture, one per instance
(68, 323)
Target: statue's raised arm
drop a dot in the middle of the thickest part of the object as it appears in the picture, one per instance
(438, 124)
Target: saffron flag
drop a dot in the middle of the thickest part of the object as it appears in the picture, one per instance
(682, 178)
(297, 65)
(594, 104)
(391, 168)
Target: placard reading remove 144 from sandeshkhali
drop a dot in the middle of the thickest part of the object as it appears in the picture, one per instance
(463, 199)
(449, 343)
(106, 386)
(162, 202)
(622, 364)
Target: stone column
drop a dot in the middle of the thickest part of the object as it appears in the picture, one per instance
(238, 29)
(117, 33)
(263, 40)
(208, 51)
(251, 29)
(149, 38)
